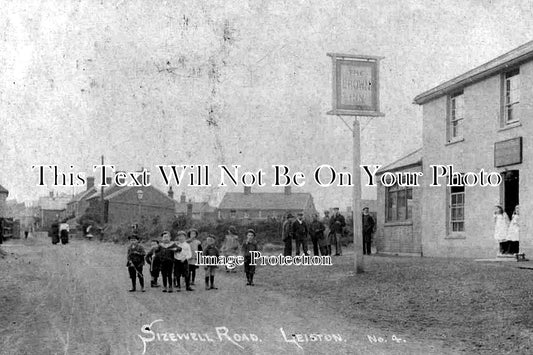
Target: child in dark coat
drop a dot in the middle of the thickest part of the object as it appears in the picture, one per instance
(249, 246)
(135, 262)
(210, 250)
(167, 260)
(153, 258)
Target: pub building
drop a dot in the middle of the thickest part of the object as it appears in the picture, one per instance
(482, 119)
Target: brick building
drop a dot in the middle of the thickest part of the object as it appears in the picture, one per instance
(248, 205)
(132, 204)
(479, 120)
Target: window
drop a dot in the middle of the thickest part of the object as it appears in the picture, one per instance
(399, 203)
(246, 215)
(233, 214)
(457, 208)
(456, 116)
(511, 96)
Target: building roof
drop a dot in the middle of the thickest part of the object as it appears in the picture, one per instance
(499, 64)
(411, 159)
(108, 190)
(3, 190)
(265, 201)
(53, 203)
(83, 195)
(113, 191)
(197, 207)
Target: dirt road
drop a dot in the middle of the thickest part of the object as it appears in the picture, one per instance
(73, 299)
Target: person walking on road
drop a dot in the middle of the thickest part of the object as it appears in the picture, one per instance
(135, 262)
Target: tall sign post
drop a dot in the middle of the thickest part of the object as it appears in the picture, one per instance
(356, 93)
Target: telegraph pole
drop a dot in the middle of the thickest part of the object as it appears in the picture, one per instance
(102, 202)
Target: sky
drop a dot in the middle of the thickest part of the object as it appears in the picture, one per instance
(147, 83)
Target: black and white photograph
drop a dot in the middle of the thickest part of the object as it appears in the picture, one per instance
(266, 177)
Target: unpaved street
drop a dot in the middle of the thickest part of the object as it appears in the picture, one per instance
(73, 299)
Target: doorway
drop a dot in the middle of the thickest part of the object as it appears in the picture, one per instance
(510, 191)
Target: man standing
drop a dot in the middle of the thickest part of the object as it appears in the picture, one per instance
(286, 235)
(327, 232)
(336, 225)
(368, 227)
(317, 233)
(300, 231)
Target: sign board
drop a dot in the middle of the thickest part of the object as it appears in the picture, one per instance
(508, 152)
(355, 85)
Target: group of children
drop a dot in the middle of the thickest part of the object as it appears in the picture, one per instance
(178, 259)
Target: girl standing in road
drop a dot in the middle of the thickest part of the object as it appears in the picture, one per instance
(513, 234)
(501, 224)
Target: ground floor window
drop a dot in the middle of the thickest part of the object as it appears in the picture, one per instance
(399, 203)
(457, 208)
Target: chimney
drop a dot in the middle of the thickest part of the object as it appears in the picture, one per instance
(108, 180)
(90, 182)
(183, 198)
(189, 209)
(247, 190)
(170, 192)
(51, 194)
(287, 190)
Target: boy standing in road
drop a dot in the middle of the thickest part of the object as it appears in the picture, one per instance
(210, 250)
(135, 262)
(181, 261)
(153, 258)
(249, 246)
(167, 260)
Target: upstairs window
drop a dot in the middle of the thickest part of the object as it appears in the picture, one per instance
(511, 93)
(456, 116)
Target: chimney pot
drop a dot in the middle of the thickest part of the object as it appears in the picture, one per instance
(170, 192)
(183, 198)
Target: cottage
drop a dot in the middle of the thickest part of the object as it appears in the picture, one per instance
(246, 206)
(131, 204)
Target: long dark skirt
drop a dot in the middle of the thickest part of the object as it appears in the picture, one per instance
(64, 236)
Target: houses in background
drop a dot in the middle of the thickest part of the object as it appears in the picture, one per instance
(132, 204)
(198, 211)
(51, 208)
(255, 206)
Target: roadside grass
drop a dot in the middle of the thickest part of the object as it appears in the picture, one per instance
(469, 306)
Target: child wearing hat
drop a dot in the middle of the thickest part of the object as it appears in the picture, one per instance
(135, 262)
(249, 246)
(167, 260)
(210, 250)
(195, 245)
(181, 261)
